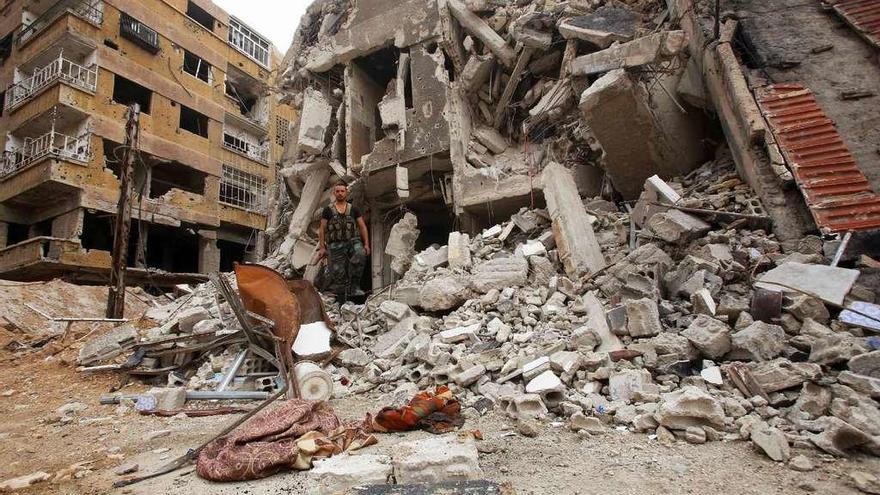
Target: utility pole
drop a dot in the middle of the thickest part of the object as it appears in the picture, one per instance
(116, 296)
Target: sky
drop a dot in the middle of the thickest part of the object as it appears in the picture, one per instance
(275, 19)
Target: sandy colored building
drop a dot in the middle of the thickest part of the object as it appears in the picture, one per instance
(211, 132)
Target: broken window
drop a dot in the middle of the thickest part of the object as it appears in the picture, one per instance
(230, 252)
(97, 231)
(196, 66)
(248, 42)
(248, 94)
(193, 121)
(200, 15)
(126, 92)
(16, 233)
(282, 131)
(173, 249)
(139, 33)
(5, 48)
(242, 189)
(167, 176)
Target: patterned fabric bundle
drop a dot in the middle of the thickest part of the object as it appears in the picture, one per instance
(288, 437)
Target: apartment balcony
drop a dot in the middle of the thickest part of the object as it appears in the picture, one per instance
(59, 70)
(243, 145)
(251, 44)
(139, 33)
(50, 145)
(90, 11)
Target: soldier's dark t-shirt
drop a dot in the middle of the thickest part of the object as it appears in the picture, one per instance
(328, 212)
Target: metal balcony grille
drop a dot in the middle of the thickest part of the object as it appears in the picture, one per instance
(88, 10)
(241, 189)
(245, 147)
(60, 69)
(52, 144)
(137, 32)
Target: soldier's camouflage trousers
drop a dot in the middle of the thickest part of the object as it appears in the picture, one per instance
(346, 266)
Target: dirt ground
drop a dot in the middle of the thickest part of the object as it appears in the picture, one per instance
(558, 461)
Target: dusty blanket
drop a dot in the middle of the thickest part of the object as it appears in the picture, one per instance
(438, 412)
(287, 437)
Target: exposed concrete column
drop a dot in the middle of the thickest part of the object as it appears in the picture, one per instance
(4, 235)
(209, 253)
(68, 225)
(311, 197)
(578, 248)
(377, 241)
(259, 251)
(143, 237)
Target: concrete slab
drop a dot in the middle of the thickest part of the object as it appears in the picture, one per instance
(825, 282)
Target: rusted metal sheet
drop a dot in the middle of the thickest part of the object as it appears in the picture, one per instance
(863, 16)
(837, 193)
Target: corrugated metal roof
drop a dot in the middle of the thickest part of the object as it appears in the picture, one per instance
(837, 193)
(864, 16)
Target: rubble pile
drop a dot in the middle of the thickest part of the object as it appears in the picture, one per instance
(482, 96)
(683, 334)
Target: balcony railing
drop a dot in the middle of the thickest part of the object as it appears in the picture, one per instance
(139, 33)
(88, 10)
(52, 144)
(249, 43)
(253, 151)
(60, 69)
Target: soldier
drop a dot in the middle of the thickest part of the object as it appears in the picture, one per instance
(344, 231)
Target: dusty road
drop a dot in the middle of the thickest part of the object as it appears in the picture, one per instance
(557, 461)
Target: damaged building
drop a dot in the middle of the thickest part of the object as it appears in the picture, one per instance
(211, 131)
(451, 109)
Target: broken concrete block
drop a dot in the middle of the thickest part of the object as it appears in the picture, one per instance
(469, 376)
(867, 364)
(677, 227)
(590, 424)
(533, 248)
(656, 190)
(835, 348)
(432, 257)
(861, 384)
(354, 358)
(781, 374)
(812, 403)
(758, 342)
(703, 302)
(616, 108)
(803, 307)
(624, 385)
(459, 251)
(838, 437)
(477, 71)
(601, 28)
(523, 406)
(643, 318)
(395, 311)
(168, 399)
(401, 243)
(442, 293)
(773, 442)
(500, 273)
(312, 340)
(687, 407)
(709, 336)
(460, 334)
(548, 386)
(535, 367)
(575, 240)
(647, 50)
(440, 458)
(395, 339)
(491, 138)
(314, 122)
(828, 283)
(107, 346)
(342, 472)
